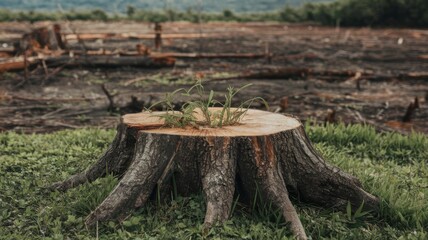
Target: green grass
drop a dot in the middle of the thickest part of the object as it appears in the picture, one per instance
(198, 99)
(390, 166)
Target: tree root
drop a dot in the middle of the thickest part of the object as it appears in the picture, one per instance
(218, 180)
(139, 181)
(114, 161)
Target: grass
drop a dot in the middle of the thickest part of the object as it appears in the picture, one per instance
(181, 78)
(390, 166)
(199, 100)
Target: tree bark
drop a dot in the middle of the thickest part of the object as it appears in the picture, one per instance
(267, 155)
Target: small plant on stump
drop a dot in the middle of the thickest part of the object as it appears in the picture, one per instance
(200, 101)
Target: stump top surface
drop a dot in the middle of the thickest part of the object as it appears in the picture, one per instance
(254, 123)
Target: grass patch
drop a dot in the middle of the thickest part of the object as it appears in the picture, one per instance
(199, 100)
(179, 78)
(390, 166)
(364, 142)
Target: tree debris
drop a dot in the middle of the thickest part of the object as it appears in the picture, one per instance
(410, 111)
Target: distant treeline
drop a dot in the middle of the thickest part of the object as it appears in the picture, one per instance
(409, 13)
(401, 13)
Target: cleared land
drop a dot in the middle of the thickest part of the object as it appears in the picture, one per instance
(313, 72)
(317, 70)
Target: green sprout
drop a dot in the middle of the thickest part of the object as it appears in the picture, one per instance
(200, 101)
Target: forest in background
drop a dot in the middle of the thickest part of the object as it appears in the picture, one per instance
(396, 13)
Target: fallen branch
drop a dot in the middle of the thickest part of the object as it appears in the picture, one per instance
(378, 126)
(410, 111)
(111, 106)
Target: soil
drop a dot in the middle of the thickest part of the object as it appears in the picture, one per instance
(395, 59)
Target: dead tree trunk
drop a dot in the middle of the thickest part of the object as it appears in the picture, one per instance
(267, 154)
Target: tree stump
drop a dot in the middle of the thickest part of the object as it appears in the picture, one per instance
(266, 153)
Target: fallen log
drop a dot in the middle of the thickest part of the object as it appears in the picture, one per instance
(305, 56)
(32, 99)
(110, 61)
(119, 59)
(12, 65)
(389, 59)
(283, 73)
(326, 75)
(7, 53)
(171, 54)
(16, 64)
(88, 61)
(95, 36)
(209, 55)
(286, 73)
(414, 76)
(267, 155)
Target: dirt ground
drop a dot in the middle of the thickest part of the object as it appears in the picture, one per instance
(389, 65)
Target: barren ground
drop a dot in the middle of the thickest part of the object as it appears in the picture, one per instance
(393, 64)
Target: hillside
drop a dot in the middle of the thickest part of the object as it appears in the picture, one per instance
(117, 6)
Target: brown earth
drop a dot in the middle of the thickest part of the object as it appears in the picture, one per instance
(390, 65)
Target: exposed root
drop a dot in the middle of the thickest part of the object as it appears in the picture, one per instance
(274, 188)
(218, 180)
(114, 161)
(315, 181)
(139, 181)
(272, 183)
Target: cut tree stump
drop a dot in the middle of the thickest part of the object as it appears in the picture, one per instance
(267, 154)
